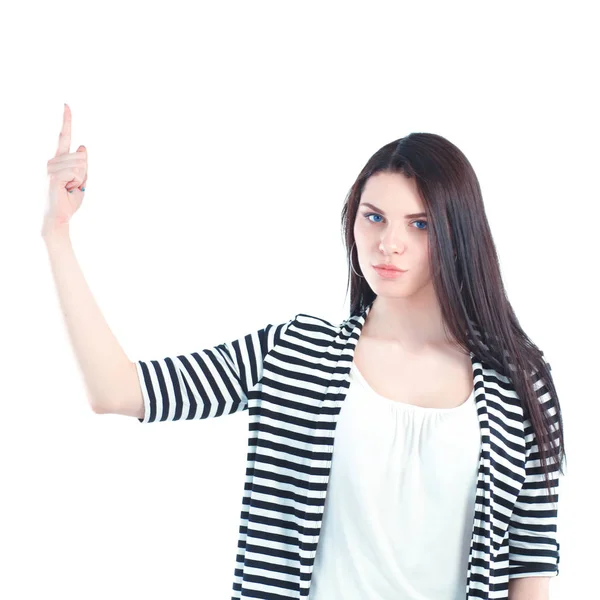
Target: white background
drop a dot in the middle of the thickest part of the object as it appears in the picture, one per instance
(231, 132)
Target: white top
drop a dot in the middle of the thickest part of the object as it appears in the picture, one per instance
(400, 502)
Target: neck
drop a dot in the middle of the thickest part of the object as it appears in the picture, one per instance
(415, 323)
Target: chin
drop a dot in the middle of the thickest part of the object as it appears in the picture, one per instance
(392, 289)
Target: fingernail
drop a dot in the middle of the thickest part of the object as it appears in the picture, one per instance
(83, 189)
(70, 191)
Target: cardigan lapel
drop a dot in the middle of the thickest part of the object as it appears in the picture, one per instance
(340, 351)
(478, 569)
(488, 529)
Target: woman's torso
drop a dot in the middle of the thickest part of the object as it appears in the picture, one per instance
(401, 496)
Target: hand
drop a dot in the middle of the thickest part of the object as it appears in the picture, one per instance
(68, 174)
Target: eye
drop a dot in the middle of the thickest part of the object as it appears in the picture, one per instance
(367, 215)
(421, 221)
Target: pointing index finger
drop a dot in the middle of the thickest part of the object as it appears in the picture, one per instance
(64, 139)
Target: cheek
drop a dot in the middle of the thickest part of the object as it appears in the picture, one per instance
(359, 233)
(365, 230)
(424, 262)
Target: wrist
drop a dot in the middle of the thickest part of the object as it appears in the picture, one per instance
(53, 232)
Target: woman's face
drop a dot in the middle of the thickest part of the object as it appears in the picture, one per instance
(391, 231)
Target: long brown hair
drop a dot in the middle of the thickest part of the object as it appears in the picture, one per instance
(479, 316)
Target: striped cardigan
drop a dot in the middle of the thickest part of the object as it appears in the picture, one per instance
(292, 379)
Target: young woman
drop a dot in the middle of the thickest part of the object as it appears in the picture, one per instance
(447, 427)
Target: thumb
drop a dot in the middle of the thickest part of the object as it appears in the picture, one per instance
(82, 148)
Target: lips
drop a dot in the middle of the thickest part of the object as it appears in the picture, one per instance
(388, 268)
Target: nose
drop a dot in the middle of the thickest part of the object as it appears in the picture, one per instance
(390, 241)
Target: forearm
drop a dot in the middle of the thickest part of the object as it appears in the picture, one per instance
(529, 588)
(101, 359)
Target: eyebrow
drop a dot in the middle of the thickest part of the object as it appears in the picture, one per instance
(410, 216)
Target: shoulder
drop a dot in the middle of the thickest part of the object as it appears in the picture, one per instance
(313, 325)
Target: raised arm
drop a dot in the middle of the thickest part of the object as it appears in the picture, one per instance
(209, 382)
(103, 362)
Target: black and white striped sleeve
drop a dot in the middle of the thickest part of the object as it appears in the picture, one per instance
(534, 548)
(209, 383)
